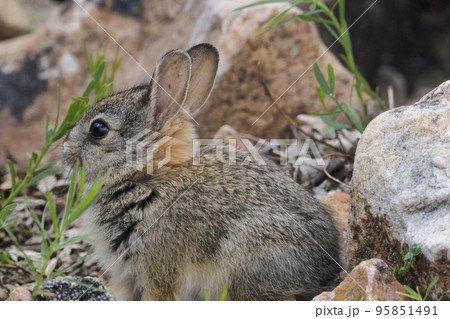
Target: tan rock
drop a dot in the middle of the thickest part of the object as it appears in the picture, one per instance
(282, 57)
(13, 21)
(20, 294)
(338, 205)
(3, 294)
(324, 296)
(371, 280)
(22, 16)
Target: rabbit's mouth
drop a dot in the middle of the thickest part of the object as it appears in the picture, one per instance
(70, 157)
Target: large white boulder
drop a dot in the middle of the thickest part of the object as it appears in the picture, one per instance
(401, 190)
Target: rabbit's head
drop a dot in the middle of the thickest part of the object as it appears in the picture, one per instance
(132, 131)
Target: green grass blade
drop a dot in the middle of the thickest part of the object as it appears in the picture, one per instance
(321, 95)
(71, 241)
(279, 25)
(344, 58)
(430, 286)
(419, 296)
(342, 15)
(334, 124)
(4, 213)
(262, 3)
(410, 290)
(58, 106)
(79, 261)
(53, 212)
(44, 246)
(414, 294)
(75, 112)
(12, 171)
(82, 183)
(331, 31)
(33, 157)
(70, 196)
(331, 78)
(408, 295)
(223, 297)
(88, 59)
(207, 295)
(45, 167)
(49, 172)
(47, 121)
(277, 18)
(309, 18)
(334, 6)
(87, 200)
(116, 63)
(97, 76)
(353, 117)
(35, 218)
(324, 113)
(321, 79)
(28, 260)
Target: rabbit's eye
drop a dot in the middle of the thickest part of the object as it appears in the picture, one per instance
(98, 130)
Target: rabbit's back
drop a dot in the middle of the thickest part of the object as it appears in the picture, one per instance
(248, 227)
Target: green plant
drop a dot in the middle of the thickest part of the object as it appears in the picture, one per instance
(400, 271)
(105, 85)
(223, 297)
(78, 198)
(415, 295)
(35, 172)
(5, 258)
(52, 240)
(337, 26)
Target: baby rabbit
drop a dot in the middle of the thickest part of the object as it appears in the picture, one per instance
(186, 227)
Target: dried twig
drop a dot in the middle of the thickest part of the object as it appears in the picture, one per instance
(335, 154)
(328, 174)
(338, 137)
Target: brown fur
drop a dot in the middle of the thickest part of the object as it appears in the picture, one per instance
(182, 133)
(189, 227)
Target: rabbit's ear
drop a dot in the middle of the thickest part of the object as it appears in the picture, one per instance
(169, 86)
(205, 59)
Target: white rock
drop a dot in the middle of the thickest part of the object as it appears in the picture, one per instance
(69, 64)
(401, 188)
